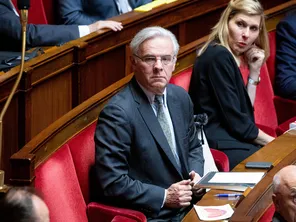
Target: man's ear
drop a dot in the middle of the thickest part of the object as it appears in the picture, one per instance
(275, 202)
(175, 62)
(133, 61)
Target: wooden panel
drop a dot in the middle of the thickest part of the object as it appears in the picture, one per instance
(10, 134)
(49, 101)
(101, 72)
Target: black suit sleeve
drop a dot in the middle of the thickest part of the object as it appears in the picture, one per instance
(37, 35)
(113, 139)
(286, 58)
(74, 12)
(222, 79)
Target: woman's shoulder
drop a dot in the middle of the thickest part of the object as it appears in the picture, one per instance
(217, 53)
(215, 50)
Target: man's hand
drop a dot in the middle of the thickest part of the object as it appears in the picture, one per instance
(194, 179)
(115, 26)
(179, 195)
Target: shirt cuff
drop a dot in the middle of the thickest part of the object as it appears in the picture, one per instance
(83, 30)
(165, 195)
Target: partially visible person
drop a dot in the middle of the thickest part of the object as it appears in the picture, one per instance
(23, 205)
(285, 78)
(81, 12)
(217, 87)
(40, 35)
(148, 154)
(284, 194)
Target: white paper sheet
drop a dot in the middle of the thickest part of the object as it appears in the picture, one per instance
(237, 177)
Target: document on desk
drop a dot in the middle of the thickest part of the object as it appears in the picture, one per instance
(237, 177)
(230, 180)
(210, 213)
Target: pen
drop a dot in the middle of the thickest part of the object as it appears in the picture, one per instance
(228, 194)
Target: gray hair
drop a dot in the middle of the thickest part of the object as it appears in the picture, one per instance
(150, 33)
(276, 183)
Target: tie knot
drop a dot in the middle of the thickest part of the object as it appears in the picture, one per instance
(158, 99)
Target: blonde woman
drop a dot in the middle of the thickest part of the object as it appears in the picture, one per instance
(217, 87)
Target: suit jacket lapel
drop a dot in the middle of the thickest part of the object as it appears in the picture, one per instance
(8, 4)
(151, 121)
(175, 110)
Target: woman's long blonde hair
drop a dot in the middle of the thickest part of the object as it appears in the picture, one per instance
(220, 31)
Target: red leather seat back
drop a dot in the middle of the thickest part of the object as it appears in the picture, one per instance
(271, 59)
(182, 79)
(82, 148)
(264, 110)
(221, 160)
(36, 13)
(56, 179)
(268, 214)
(51, 11)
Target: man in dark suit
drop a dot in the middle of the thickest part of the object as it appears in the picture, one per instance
(39, 35)
(85, 12)
(147, 151)
(285, 78)
(284, 194)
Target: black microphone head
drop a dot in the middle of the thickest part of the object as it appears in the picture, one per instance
(23, 4)
(201, 119)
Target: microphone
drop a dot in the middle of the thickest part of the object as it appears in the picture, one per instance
(200, 121)
(23, 4)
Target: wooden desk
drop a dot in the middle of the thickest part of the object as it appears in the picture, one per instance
(281, 152)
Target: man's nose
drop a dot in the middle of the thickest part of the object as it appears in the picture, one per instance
(158, 63)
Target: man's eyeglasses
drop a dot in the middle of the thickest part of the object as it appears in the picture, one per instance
(151, 60)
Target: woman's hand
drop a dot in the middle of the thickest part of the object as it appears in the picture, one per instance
(255, 57)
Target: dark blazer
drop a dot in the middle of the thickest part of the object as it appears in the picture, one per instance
(217, 89)
(134, 163)
(86, 12)
(285, 78)
(37, 35)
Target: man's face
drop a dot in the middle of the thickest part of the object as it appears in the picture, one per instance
(286, 201)
(154, 76)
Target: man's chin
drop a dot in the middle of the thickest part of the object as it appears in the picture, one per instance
(158, 88)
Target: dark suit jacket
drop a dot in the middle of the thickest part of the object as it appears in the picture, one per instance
(134, 163)
(86, 12)
(217, 88)
(37, 35)
(285, 78)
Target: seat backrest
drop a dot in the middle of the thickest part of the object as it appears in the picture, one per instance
(271, 59)
(57, 180)
(36, 13)
(82, 148)
(182, 79)
(51, 14)
(268, 214)
(264, 110)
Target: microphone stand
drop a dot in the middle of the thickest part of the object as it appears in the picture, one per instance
(24, 20)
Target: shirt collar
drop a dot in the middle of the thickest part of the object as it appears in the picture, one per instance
(151, 95)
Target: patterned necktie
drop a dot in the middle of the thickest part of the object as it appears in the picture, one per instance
(163, 121)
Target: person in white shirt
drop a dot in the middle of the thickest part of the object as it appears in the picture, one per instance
(42, 35)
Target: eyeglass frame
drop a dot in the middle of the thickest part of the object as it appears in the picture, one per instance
(156, 58)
